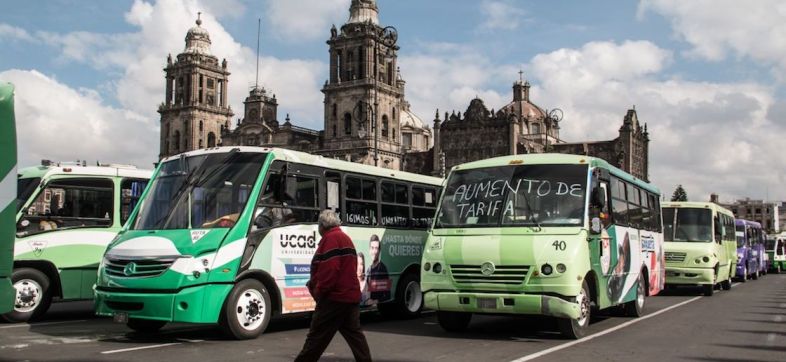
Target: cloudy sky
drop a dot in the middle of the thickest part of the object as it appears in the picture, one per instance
(707, 76)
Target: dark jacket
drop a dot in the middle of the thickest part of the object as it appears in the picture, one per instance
(334, 269)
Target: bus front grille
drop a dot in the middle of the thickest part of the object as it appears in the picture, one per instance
(674, 257)
(136, 268)
(502, 274)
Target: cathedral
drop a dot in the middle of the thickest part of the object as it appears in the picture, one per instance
(367, 118)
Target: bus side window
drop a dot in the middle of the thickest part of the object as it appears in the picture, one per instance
(87, 202)
(361, 200)
(130, 192)
(717, 232)
(619, 207)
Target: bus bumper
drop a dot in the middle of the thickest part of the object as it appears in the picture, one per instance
(502, 303)
(7, 295)
(690, 276)
(200, 304)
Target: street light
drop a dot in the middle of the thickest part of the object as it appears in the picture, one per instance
(555, 116)
(389, 35)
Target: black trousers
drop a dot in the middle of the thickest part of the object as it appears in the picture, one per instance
(331, 317)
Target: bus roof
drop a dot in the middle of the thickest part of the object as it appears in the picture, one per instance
(112, 171)
(557, 158)
(747, 223)
(697, 205)
(316, 160)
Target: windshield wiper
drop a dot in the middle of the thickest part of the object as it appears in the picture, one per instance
(537, 227)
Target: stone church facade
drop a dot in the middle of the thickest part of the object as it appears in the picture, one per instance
(522, 127)
(363, 95)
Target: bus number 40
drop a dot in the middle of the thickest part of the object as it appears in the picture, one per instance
(559, 245)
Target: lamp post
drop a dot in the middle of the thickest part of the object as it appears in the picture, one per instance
(389, 35)
(555, 116)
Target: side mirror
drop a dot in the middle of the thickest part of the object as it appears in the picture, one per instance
(598, 199)
(595, 226)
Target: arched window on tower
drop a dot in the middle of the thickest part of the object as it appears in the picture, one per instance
(394, 113)
(201, 144)
(335, 111)
(201, 126)
(347, 124)
(394, 133)
(385, 125)
(211, 139)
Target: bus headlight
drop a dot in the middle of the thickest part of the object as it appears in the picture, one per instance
(437, 268)
(546, 269)
(427, 266)
(561, 268)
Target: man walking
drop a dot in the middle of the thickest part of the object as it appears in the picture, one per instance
(335, 287)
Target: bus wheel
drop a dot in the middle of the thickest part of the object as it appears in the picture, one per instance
(635, 308)
(708, 289)
(726, 284)
(755, 276)
(145, 325)
(33, 296)
(577, 328)
(246, 311)
(409, 299)
(453, 321)
(744, 274)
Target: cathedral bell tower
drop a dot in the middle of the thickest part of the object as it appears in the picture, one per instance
(358, 85)
(195, 108)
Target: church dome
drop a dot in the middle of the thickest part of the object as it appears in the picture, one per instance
(522, 105)
(198, 39)
(409, 119)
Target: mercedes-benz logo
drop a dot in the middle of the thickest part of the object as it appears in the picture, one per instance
(130, 269)
(487, 268)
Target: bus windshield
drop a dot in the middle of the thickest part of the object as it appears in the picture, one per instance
(24, 188)
(202, 191)
(525, 195)
(687, 224)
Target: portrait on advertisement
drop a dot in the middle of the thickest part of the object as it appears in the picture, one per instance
(377, 277)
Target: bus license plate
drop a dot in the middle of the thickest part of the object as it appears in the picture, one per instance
(120, 317)
(487, 303)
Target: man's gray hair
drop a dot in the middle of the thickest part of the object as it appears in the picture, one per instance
(328, 219)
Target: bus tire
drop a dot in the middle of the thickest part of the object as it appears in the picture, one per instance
(726, 284)
(577, 328)
(247, 310)
(635, 308)
(708, 289)
(453, 321)
(145, 326)
(755, 276)
(33, 295)
(409, 299)
(744, 277)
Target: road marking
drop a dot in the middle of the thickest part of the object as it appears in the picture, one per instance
(41, 324)
(140, 348)
(601, 333)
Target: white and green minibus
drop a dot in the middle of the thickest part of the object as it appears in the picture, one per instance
(226, 235)
(546, 234)
(701, 245)
(66, 216)
(7, 194)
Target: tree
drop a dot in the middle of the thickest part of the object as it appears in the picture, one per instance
(679, 194)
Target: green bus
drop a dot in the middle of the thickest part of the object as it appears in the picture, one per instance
(66, 216)
(701, 245)
(776, 251)
(226, 235)
(7, 194)
(544, 234)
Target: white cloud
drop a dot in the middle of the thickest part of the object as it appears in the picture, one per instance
(303, 20)
(57, 122)
(14, 33)
(501, 15)
(449, 75)
(706, 136)
(719, 28)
